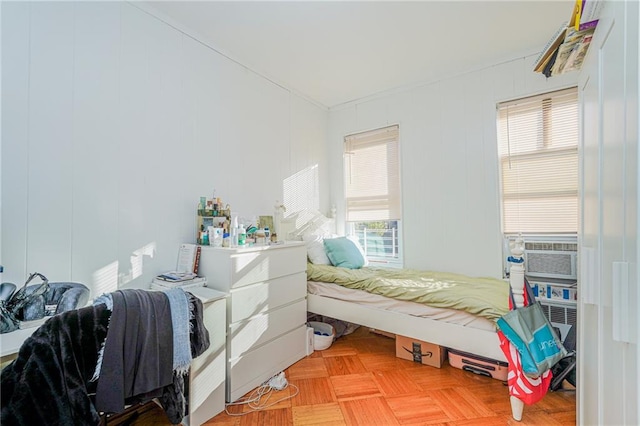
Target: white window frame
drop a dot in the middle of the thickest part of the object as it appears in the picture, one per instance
(538, 164)
(371, 163)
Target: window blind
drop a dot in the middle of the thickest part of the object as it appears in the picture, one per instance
(538, 151)
(372, 175)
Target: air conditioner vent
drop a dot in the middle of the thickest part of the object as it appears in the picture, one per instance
(572, 316)
(549, 263)
(550, 246)
(563, 318)
(561, 314)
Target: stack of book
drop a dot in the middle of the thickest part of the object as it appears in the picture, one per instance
(565, 51)
(186, 272)
(174, 279)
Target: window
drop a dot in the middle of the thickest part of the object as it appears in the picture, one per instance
(538, 151)
(372, 189)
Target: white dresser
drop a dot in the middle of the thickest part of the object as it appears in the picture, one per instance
(266, 309)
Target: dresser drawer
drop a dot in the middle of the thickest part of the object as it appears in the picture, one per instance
(258, 330)
(257, 266)
(257, 366)
(251, 300)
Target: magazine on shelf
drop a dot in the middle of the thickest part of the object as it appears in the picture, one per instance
(566, 49)
(188, 258)
(576, 58)
(584, 11)
(590, 10)
(572, 51)
(551, 47)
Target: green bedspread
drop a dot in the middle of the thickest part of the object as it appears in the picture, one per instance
(485, 297)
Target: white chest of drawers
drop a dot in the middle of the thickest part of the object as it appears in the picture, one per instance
(266, 309)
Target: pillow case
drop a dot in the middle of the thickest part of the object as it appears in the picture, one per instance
(356, 241)
(315, 248)
(344, 252)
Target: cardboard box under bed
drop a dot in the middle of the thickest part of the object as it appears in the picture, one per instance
(418, 351)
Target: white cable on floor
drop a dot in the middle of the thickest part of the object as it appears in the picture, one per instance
(255, 400)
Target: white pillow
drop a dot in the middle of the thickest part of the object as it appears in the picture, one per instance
(315, 248)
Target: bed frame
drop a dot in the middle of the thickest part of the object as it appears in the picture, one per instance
(467, 339)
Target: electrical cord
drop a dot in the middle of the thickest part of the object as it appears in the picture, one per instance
(258, 399)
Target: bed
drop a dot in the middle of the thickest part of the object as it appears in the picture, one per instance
(448, 326)
(420, 312)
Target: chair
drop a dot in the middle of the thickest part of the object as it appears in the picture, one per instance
(565, 369)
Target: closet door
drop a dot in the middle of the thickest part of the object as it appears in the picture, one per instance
(589, 250)
(608, 324)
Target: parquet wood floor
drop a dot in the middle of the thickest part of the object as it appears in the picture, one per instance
(359, 381)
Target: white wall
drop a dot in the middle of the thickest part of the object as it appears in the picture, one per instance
(451, 213)
(114, 124)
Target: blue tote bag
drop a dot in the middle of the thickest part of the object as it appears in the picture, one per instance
(529, 330)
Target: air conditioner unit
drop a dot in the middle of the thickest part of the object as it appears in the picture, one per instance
(551, 259)
(561, 315)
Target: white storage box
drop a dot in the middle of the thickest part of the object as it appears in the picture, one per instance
(323, 335)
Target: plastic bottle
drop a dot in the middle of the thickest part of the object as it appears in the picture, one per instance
(234, 232)
(242, 235)
(233, 238)
(215, 237)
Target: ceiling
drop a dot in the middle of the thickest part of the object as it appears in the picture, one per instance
(333, 52)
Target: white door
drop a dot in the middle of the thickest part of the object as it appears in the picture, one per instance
(608, 323)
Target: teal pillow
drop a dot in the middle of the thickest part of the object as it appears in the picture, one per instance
(344, 253)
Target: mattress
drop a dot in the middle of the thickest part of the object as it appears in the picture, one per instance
(371, 300)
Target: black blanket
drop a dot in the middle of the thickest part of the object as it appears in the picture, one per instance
(48, 383)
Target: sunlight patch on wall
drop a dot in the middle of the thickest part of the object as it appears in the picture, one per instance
(136, 261)
(105, 280)
(302, 191)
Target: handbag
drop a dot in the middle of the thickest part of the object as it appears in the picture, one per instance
(11, 310)
(527, 389)
(8, 321)
(531, 333)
